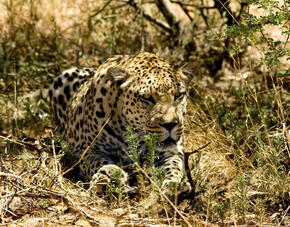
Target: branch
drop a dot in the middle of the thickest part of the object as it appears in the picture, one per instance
(223, 6)
(31, 146)
(183, 7)
(166, 7)
(243, 5)
(101, 9)
(193, 5)
(9, 175)
(156, 21)
(186, 166)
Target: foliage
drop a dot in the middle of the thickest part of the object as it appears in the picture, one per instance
(144, 162)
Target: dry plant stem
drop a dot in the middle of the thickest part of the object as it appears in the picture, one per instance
(164, 196)
(39, 192)
(16, 104)
(54, 153)
(9, 175)
(66, 200)
(284, 215)
(87, 149)
(21, 143)
(186, 166)
(84, 153)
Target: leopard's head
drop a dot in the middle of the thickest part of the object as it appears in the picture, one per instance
(154, 97)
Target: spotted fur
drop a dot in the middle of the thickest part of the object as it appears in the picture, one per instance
(141, 91)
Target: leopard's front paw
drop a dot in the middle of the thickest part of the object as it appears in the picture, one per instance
(108, 174)
(173, 188)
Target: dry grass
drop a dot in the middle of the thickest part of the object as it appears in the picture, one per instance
(242, 177)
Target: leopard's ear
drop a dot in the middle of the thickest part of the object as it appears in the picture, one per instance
(186, 72)
(119, 76)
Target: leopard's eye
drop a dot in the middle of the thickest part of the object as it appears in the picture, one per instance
(148, 99)
(179, 96)
(146, 96)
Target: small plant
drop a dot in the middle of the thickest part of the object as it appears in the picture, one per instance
(116, 191)
(151, 142)
(221, 208)
(155, 172)
(44, 203)
(241, 200)
(144, 162)
(133, 147)
(260, 209)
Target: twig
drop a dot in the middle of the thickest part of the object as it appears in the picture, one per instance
(54, 153)
(284, 215)
(156, 21)
(101, 9)
(3, 165)
(66, 199)
(168, 11)
(164, 196)
(6, 194)
(9, 175)
(193, 5)
(186, 165)
(183, 6)
(45, 193)
(90, 218)
(224, 8)
(36, 147)
(84, 153)
(10, 212)
(87, 149)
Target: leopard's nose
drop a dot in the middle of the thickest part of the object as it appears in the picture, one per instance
(169, 126)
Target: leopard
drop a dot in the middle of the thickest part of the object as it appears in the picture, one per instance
(94, 106)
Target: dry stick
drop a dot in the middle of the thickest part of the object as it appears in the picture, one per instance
(156, 21)
(9, 175)
(164, 196)
(228, 11)
(284, 215)
(86, 150)
(186, 165)
(54, 153)
(21, 143)
(192, 5)
(101, 9)
(162, 193)
(166, 8)
(39, 192)
(45, 193)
